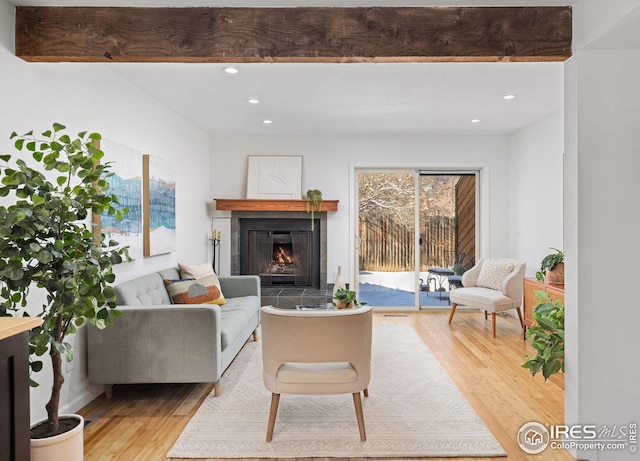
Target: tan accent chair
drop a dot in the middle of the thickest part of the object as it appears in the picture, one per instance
(490, 299)
(316, 352)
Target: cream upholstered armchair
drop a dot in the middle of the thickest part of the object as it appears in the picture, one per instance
(316, 352)
(492, 285)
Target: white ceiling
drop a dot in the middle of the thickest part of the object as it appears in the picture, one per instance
(347, 99)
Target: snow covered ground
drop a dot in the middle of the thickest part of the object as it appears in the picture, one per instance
(397, 289)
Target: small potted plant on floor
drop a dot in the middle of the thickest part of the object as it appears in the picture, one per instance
(48, 249)
(548, 337)
(346, 299)
(552, 268)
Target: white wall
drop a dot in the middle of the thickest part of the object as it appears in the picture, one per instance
(536, 166)
(91, 97)
(602, 141)
(603, 386)
(594, 19)
(327, 162)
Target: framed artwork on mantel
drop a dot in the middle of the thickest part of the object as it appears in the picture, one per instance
(274, 177)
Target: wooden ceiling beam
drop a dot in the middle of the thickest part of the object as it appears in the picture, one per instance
(377, 34)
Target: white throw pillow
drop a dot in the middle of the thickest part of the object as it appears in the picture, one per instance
(493, 272)
(196, 271)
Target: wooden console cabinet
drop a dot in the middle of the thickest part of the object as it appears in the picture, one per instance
(531, 285)
(14, 387)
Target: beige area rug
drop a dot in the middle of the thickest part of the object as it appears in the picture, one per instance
(413, 410)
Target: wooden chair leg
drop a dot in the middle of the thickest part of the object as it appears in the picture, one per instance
(493, 323)
(366, 392)
(217, 390)
(357, 402)
(273, 411)
(453, 311)
(520, 317)
(486, 315)
(255, 335)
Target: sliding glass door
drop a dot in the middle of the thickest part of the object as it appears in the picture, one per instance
(386, 232)
(447, 223)
(415, 230)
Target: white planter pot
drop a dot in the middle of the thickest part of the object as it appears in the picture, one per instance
(64, 447)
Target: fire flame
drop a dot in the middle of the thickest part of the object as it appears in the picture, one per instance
(281, 258)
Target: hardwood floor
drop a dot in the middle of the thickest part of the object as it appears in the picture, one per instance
(142, 422)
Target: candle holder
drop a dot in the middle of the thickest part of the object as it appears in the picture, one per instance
(215, 243)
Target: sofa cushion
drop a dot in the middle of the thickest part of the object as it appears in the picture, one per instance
(493, 272)
(249, 304)
(145, 290)
(233, 322)
(235, 315)
(484, 298)
(195, 291)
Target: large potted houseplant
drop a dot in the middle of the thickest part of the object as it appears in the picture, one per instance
(47, 245)
(547, 336)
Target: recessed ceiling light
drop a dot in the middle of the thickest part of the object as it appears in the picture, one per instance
(475, 120)
(267, 122)
(231, 70)
(253, 101)
(509, 96)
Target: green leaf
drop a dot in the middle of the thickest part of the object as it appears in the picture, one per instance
(19, 143)
(68, 351)
(58, 127)
(551, 368)
(5, 157)
(44, 257)
(38, 200)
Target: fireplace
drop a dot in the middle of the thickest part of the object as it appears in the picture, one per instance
(283, 252)
(280, 247)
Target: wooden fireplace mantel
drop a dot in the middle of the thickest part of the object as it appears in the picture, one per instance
(270, 205)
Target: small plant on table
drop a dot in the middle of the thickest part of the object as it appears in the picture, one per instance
(346, 299)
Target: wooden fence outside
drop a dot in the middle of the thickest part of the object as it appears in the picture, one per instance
(387, 246)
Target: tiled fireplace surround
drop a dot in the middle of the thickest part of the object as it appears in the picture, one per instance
(285, 297)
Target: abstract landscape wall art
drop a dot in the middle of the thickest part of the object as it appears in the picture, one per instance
(159, 217)
(126, 184)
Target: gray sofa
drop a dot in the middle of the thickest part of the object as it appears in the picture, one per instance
(155, 341)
